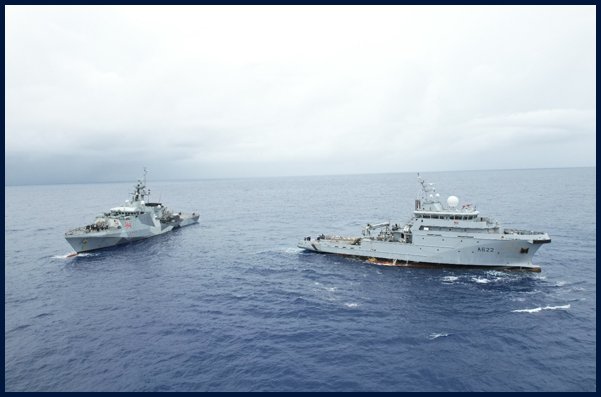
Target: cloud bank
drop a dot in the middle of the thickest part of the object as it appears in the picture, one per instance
(96, 93)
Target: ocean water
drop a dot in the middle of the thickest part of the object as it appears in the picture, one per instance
(231, 304)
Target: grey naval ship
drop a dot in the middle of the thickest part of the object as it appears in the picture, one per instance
(438, 235)
(135, 220)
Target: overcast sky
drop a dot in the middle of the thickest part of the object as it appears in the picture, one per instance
(95, 93)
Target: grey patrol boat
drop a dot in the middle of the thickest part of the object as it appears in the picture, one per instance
(135, 220)
(438, 235)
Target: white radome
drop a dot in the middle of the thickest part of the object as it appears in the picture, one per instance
(452, 201)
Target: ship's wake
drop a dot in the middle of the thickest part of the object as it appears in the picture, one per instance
(72, 255)
(539, 309)
(439, 335)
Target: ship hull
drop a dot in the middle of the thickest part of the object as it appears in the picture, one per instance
(92, 241)
(443, 251)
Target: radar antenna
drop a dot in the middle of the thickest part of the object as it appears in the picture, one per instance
(428, 190)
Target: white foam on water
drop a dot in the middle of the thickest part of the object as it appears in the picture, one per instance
(450, 279)
(538, 309)
(281, 250)
(331, 289)
(481, 280)
(292, 250)
(351, 305)
(439, 335)
(67, 256)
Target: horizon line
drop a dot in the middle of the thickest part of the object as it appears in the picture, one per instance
(296, 176)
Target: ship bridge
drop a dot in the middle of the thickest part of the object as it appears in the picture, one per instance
(453, 215)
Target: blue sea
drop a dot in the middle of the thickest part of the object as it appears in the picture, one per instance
(231, 304)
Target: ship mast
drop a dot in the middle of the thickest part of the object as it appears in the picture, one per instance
(429, 200)
(140, 189)
(148, 192)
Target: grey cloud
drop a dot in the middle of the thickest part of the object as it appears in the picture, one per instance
(209, 91)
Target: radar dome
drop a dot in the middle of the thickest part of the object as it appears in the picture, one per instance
(452, 201)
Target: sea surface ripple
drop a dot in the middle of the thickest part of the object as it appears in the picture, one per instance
(231, 304)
